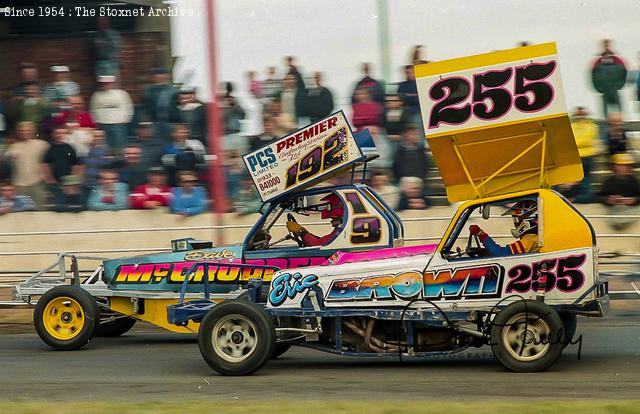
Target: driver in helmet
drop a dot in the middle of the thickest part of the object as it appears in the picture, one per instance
(334, 212)
(525, 221)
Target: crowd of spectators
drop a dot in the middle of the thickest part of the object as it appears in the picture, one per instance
(58, 154)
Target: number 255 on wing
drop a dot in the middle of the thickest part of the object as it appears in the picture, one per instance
(489, 90)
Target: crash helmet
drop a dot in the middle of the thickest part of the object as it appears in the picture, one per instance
(335, 209)
(525, 217)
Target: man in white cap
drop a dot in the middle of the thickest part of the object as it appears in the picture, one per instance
(62, 87)
(112, 109)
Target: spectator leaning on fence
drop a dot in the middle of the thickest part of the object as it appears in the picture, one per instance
(109, 194)
(71, 198)
(189, 199)
(25, 157)
(112, 109)
(12, 203)
(155, 193)
(620, 193)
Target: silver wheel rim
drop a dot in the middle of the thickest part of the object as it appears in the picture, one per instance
(234, 338)
(526, 337)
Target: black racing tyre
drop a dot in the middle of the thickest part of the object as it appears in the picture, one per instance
(280, 349)
(527, 336)
(115, 328)
(570, 325)
(66, 317)
(236, 337)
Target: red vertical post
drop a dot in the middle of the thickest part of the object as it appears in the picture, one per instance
(217, 182)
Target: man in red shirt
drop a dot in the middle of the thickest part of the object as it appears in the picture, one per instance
(156, 193)
(77, 115)
(334, 212)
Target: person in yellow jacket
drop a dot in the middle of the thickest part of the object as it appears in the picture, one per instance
(525, 223)
(585, 131)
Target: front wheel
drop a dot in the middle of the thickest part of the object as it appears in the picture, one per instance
(66, 317)
(236, 338)
(527, 336)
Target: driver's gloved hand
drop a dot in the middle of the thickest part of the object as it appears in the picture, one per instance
(295, 228)
(476, 230)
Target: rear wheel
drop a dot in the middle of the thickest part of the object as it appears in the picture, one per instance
(527, 336)
(236, 338)
(66, 317)
(115, 328)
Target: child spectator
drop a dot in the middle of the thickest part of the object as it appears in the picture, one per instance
(154, 194)
(70, 199)
(109, 194)
(12, 203)
(189, 199)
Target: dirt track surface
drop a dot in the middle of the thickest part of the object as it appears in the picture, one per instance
(150, 365)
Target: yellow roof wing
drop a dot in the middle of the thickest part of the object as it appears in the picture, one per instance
(496, 123)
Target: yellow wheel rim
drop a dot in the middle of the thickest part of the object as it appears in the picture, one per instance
(63, 318)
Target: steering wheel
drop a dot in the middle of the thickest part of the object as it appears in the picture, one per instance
(474, 248)
(294, 236)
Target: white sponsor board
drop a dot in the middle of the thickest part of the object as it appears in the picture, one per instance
(489, 90)
(302, 158)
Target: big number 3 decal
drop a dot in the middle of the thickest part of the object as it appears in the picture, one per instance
(493, 94)
(365, 228)
(321, 158)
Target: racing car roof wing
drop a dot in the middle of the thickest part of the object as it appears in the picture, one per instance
(306, 157)
(496, 123)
